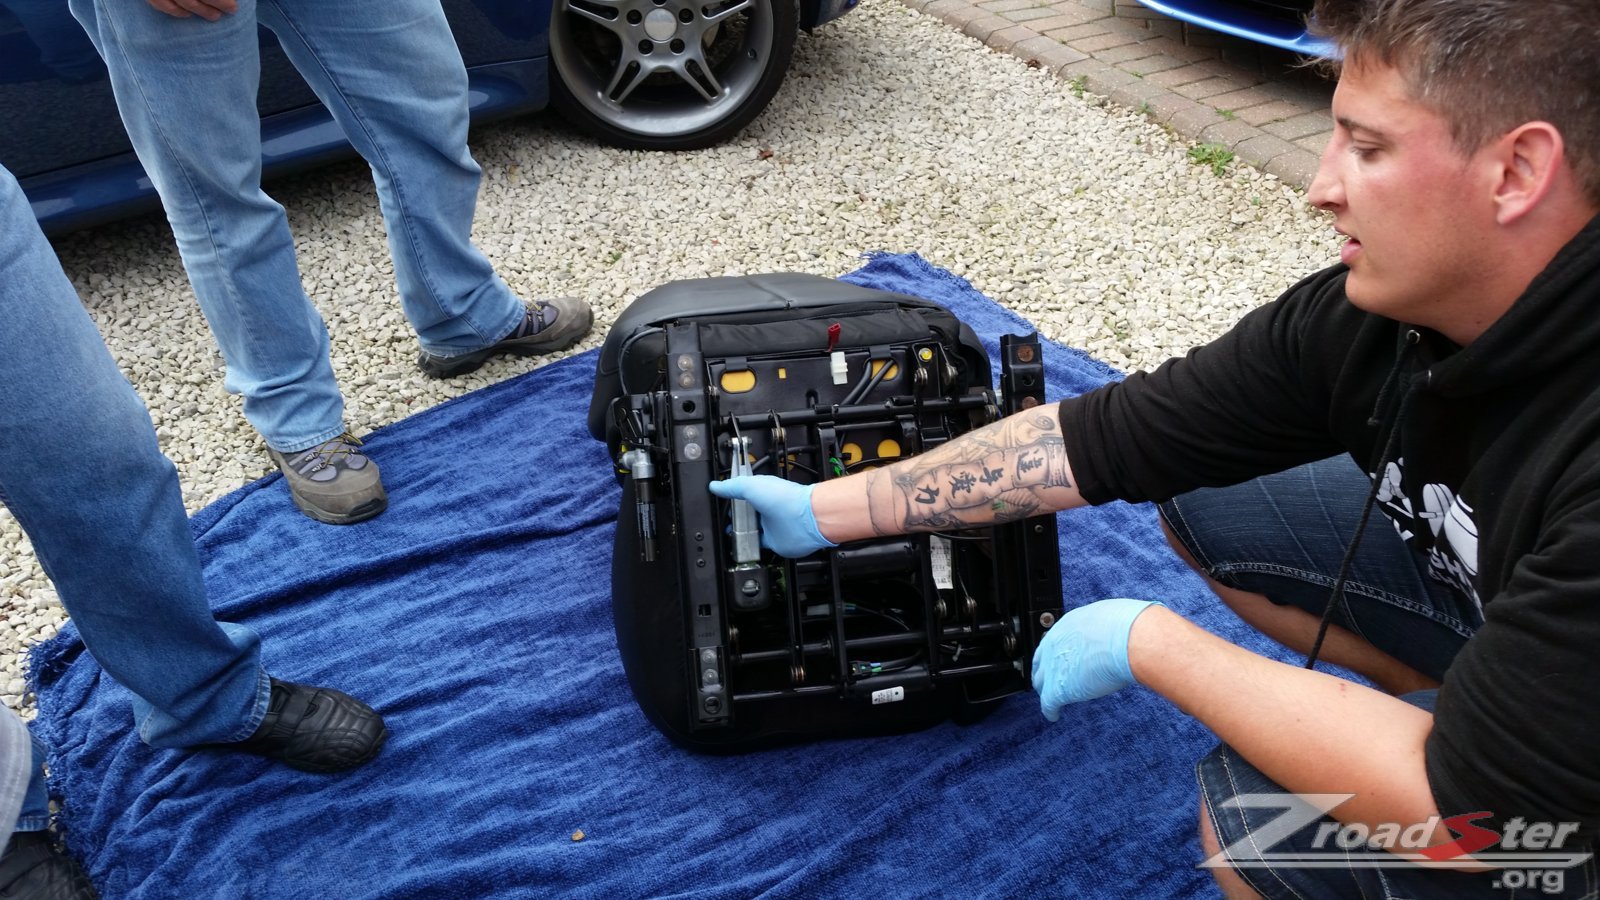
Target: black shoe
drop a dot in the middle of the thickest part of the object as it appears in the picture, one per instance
(32, 867)
(548, 325)
(316, 729)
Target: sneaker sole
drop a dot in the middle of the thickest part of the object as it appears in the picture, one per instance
(360, 514)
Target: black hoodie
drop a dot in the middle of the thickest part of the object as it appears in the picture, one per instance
(1496, 480)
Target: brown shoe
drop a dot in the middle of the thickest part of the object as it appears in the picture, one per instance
(549, 325)
(333, 482)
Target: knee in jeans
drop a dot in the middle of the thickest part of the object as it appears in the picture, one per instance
(1177, 544)
(1233, 887)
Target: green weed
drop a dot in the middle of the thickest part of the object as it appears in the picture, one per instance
(1216, 156)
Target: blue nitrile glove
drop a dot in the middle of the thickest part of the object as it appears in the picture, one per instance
(1085, 654)
(788, 526)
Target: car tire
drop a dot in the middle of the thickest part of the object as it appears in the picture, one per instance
(627, 71)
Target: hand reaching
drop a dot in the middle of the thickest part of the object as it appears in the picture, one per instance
(788, 526)
(1085, 654)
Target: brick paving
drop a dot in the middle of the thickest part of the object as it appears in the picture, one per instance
(1208, 87)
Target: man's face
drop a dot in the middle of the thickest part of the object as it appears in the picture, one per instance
(1419, 214)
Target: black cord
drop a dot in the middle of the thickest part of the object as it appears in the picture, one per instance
(854, 607)
(805, 448)
(883, 668)
(622, 354)
(630, 429)
(1345, 565)
(865, 387)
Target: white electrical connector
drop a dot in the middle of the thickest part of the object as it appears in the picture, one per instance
(841, 370)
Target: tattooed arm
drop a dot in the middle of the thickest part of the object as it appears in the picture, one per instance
(1012, 469)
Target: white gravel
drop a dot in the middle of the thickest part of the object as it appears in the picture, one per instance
(893, 132)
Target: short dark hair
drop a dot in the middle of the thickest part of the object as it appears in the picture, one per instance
(1487, 66)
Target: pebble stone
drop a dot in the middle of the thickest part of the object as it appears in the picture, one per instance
(892, 132)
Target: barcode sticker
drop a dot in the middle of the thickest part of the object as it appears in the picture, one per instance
(940, 547)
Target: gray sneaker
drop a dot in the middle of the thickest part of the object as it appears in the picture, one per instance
(333, 482)
(549, 325)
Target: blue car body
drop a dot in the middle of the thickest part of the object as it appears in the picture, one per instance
(65, 142)
(1278, 23)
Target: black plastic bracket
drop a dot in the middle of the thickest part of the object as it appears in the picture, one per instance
(1033, 543)
(688, 416)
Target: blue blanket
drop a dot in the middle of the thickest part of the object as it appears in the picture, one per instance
(474, 615)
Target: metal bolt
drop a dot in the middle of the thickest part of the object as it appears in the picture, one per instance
(1025, 353)
(1047, 619)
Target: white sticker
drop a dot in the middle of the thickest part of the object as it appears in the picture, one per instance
(888, 695)
(940, 547)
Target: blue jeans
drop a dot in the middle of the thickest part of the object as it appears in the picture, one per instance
(1224, 774)
(1284, 536)
(17, 769)
(81, 471)
(390, 73)
(35, 812)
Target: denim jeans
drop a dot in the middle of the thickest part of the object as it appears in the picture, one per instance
(81, 471)
(1284, 536)
(390, 73)
(34, 813)
(17, 771)
(1364, 872)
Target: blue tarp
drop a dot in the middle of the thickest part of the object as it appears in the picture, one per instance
(474, 614)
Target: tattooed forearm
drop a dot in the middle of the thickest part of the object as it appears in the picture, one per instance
(1020, 506)
(882, 524)
(1012, 469)
(1006, 471)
